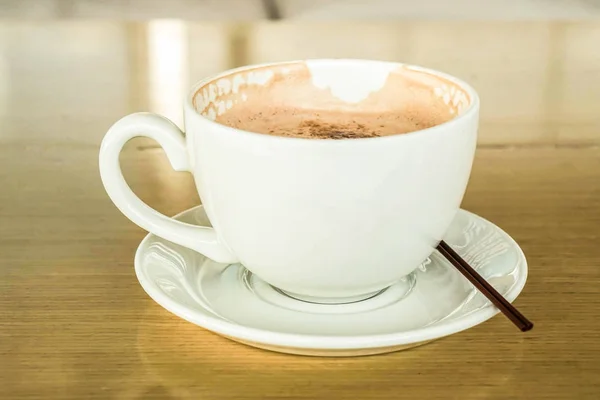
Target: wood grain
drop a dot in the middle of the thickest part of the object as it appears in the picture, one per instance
(75, 324)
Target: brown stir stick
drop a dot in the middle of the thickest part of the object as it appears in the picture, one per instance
(485, 288)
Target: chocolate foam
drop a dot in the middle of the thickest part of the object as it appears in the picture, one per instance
(291, 100)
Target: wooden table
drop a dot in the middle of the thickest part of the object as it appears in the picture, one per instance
(74, 322)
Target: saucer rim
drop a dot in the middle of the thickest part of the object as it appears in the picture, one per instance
(243, 333)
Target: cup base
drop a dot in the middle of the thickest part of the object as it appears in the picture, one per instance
(327, 305)
(330, 300)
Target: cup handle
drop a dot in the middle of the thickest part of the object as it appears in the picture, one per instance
(201, 239)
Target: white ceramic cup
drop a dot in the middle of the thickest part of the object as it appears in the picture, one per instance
(333, 219)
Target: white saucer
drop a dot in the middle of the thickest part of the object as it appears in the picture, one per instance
(434, 301)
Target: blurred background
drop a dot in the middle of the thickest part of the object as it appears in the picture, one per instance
(74, 322)
(536, 63)
(301, 9)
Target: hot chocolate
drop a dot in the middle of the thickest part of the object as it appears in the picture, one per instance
(322, 220)
(290, 101)
(319, 123)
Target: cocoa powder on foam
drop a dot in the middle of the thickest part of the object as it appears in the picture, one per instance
(290, 105)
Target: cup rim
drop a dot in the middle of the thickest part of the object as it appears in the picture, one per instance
(472, 109)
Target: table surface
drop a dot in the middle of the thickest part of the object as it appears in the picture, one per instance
(75, 323)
